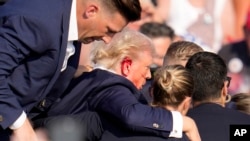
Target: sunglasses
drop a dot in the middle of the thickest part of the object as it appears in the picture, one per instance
(228, 79)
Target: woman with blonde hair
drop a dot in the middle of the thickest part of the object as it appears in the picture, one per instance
(172, 88)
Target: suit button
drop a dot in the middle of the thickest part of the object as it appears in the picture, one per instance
(155, 125)
(1, 118)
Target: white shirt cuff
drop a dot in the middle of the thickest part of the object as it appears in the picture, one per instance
(19, 122)
(177, 125)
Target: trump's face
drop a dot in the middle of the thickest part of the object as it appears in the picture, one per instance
(140, 69)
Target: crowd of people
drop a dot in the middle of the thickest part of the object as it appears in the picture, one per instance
(114, 70)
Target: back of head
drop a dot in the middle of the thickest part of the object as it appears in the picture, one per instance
(242, 102)
(130, 9)
(2, 2)
(171, 85)
(161, 36)
(180, 51)
(209, 72)
(155, 30)
(127, 43)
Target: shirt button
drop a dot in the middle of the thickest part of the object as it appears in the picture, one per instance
(155, 125)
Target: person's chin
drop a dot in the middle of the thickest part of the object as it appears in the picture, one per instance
(139, 87)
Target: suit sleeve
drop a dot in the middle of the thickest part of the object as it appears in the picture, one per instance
(18, 38)
(121, 104)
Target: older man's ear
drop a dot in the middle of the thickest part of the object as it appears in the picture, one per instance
(125, 66)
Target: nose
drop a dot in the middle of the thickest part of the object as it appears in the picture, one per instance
(106, 39)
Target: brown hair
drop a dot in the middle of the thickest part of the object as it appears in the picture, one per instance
(171, 85)
(130, 9)
(180, 51)
(242, 102)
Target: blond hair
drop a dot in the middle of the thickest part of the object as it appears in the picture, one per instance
(127, 43)
(171, 85)
(180, 51)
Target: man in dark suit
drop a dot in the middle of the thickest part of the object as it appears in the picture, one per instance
(209, 98)
(38, 55)
(112, 90)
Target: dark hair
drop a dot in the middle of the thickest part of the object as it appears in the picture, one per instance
(130, 9)
(154, 29)
(2, 2)
(209, 72)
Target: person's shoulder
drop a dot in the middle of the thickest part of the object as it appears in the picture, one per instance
(194, 113)
(204, 109)
(111, 80)
(229, 116)
(237, 114)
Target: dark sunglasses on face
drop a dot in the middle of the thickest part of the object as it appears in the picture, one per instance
(228, 79)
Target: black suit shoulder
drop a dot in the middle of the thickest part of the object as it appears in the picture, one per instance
(213, 121)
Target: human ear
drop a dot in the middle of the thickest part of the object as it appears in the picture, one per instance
(224, 93)
(186, 105)
(91, 11)
(125, 66)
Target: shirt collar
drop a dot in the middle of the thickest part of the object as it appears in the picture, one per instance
(97, 66)
(73, 32)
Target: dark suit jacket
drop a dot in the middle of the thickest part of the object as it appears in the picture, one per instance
(114, 132)
(213, 121)
(115, 96)
(33, 40)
